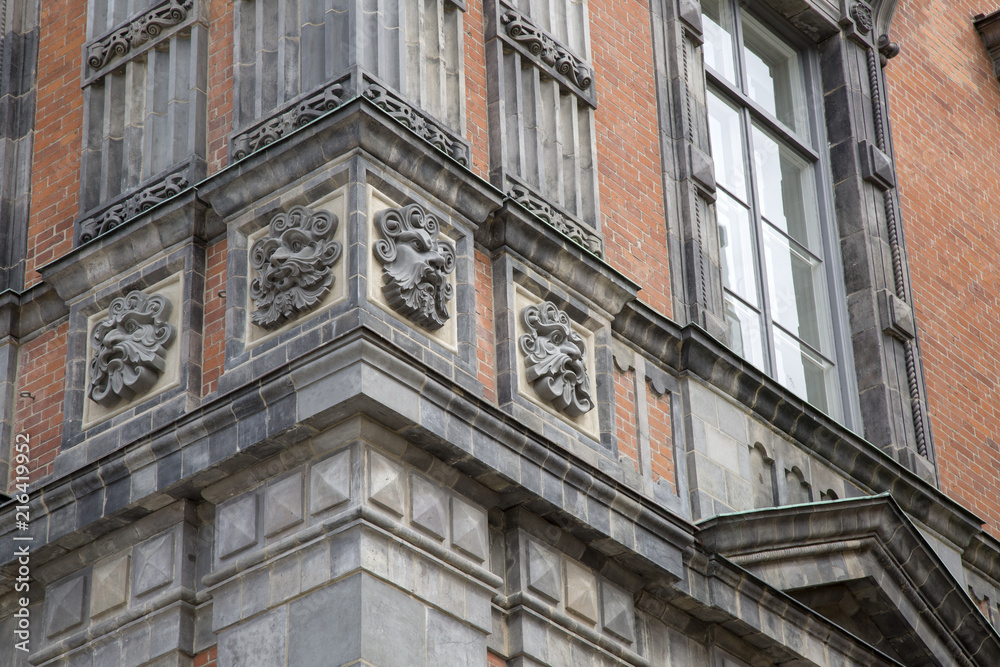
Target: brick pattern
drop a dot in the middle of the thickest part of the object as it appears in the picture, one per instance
(55, 180)
(485, 339)
(493, 660)
(628, 152)
(215, 317)
(475, 88)
(660, 437)
(38, 410)
(944, 98)
(220, 82)
(206, 658)
(626, 428)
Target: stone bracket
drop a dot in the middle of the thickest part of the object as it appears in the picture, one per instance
(988, 27)
(896, 316)
(702, 172)
(562, 222)
(689, 12)
(876, 167)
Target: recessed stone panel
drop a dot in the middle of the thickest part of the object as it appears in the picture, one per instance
(617, 612)
(154, 564)
(237, 525)
(544, 571)
(330, 482)
(282, 504)
(581, 591)
(428, 506)
(468, 529)
(64, 605)
(110, 585)
(386, 483)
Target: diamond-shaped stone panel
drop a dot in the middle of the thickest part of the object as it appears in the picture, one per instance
(154, 564)
(236, 525)
(581, 591)
(330, 482)
(64, 605)
(468, 529)
(543, 571)
(282, 504)
(428, 506)
(386, 483)
(109, 587)
(617, 613)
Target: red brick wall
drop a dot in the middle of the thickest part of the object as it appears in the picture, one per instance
(945, 105)
(206, 658)
(485, 339)
(475, 88)
(55, 179)
(220, 82)
(626, 427)
(214, 353)
(40, 391)
(493, 660)
(660, 440)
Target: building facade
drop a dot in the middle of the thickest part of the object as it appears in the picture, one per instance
(513, 332)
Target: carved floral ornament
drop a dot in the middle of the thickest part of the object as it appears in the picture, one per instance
(555, 359)
(546, 49)
(294, 265)
(415, 264)
(130, 348)
(137, 32)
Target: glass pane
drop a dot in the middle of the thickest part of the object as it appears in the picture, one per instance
(727, 146)
(806, 374)
(774, 75)
(717, 26)
(739, 267)
(786, 189)
(745, 331)
(796, 288)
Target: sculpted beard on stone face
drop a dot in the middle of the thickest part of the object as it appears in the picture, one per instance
(554, 361)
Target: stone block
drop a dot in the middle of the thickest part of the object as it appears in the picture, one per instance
(282, 504)
(65, 605)
(581, 591)
(261, 642)
(450, 642)
(468, 529)
(236, 525)
(313, 639)
(109, 585)
(386, 483)
(428, 506)
(543, 566)
(330, 482)
(153, 566)
(617, 612)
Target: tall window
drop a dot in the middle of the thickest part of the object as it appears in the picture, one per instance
(765, 129)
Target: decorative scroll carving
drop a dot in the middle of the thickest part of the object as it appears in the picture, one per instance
(420, 123)
(132, 206)
(554, 359)
(416, 264)
(299, 115)
(294, 263)
(550, 52)
(534, 205)
(137, 32)
(130, 348)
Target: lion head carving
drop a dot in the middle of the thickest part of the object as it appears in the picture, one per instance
(555, 359)
(415, 265)
(294, 265)
(130, 347)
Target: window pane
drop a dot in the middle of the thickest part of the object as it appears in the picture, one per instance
(806, 374)
(774, 76)
(796, 288)
(739, 272)
(745, 331)
(786, 190)
(717, 26)
(727, 146)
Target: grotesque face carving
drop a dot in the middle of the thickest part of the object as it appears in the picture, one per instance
(294, 264)
(555, 359)
(130, 347)
(415, 264)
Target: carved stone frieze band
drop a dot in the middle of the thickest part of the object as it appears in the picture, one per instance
(567, 226)
(555, 359)
(428, 129)
(298, 115)
(294, 265)
(138, 31)
(127, 209)
(130, 348)
(549, 51)
(416, 263)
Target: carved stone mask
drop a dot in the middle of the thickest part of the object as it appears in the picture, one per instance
(555, 359)
(294, 264)
(130, 348)
(415, 265)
